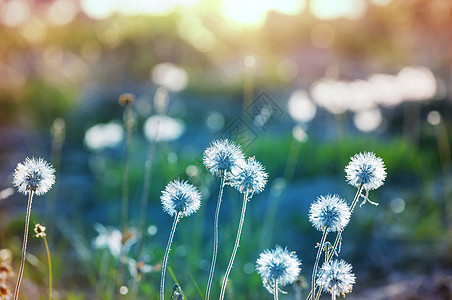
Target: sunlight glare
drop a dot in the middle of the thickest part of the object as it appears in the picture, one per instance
(253, 12)
(332, 9)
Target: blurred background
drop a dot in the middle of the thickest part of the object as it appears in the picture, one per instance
(302, 85)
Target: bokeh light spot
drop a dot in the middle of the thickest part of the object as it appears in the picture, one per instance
(301, 108)
(368, 120)
(215, 121)
(434, 117)
(397, 205)
(14, 13)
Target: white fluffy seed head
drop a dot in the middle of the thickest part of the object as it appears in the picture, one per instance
(278, 265)
(180, 197)
(366, 169)
(34, 175)
(329, 212)
(223, 156)
(251, 179)
(336, 277)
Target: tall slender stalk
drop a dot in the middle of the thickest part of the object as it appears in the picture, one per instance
(339, 233)
(319, 292)
(49, 261)
(125, 178)
(58, 132)
(317, 259)
(145, 194)
(24, 245)
(215, 237)
(329, 255)
(275, 291)
(165, 259)
(270, 217)
(236, 246)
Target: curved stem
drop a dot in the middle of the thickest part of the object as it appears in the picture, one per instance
(339, 233)
(355, 200)
(215, 238)
(165, 259)
(236, 245)
(49, 261)
(24, 246)
(275, 291)
(331, 252)
(317, 259)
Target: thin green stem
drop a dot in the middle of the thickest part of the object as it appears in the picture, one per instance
(145, 194)
(24, 246)
(317, 259)
(125, 178)
(50, 268)
(135, 286)
(275, 291)
(215, 238)
(165, 259)
(236, 246)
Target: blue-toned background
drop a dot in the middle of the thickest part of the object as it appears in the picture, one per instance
(301, 85)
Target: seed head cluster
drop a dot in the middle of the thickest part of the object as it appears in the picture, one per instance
(330, 212)
(278, 265)
(223, 156)
(336, 277)
(180, 197)
(366, 169)
(34, 175)
(251, 179)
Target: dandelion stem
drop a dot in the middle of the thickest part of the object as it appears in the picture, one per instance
(125, 178)
(145, 193)
(237, 241)
(215, 238)
(319, 292)
(50, 267)
(329, 256)
(355, 200)
(24, 245)
(165, 259)
(275, 291)
(317, 259)
(339, 233)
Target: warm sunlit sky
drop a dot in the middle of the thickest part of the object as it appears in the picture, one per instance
(237, 12)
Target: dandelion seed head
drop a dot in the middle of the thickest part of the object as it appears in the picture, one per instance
(40, 231)
(329, 212)
(366, 169)
(34, 175)
(251, 178)
(126, 99)
(278, 265)
(180, 197)
(223, 156)
(336, 277)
